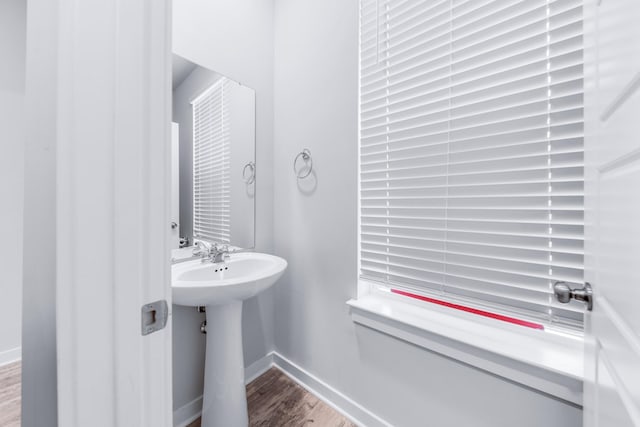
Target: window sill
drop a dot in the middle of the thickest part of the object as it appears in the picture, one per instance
(549, 362)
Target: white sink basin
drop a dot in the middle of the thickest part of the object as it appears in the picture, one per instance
(222, 288)
(244, 275)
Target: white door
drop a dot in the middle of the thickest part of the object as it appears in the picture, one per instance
(612, 233)
(175, 185)
(113, 212)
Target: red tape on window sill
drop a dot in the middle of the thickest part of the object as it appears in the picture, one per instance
(470, 310)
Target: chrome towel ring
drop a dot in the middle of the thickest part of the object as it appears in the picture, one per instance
(308, 161)
(251, 177)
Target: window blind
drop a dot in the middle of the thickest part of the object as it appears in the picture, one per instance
(471, 151)
(211, 164)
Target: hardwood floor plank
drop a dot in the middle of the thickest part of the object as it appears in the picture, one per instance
(266, 378)
(264, 402)
(275, 400)
(10, 394)
(10, 413)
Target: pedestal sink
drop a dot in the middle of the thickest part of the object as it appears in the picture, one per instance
(222, 288)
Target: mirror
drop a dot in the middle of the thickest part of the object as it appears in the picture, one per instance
(214, 157)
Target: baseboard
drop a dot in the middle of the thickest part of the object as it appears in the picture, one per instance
(358, 414)
(190, 412)
(10, 356)
(258, 368)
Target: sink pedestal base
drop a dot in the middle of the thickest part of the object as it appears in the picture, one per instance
(224, 402)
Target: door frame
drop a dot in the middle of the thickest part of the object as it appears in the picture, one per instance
(612, 153)
(113, 209)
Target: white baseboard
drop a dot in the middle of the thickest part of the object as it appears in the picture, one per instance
(188, 413)
(334, 398)
(258, 368)
(9, 356)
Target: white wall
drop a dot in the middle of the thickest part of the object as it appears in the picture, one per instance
(13, 35)
(242, 135)
(235, 38)
(188, 343)
(39, 383)
(316, 54)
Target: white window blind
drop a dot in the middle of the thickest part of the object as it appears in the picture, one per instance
(211, 164)
(471, 151)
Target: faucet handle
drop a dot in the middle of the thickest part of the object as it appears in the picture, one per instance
(201, 247)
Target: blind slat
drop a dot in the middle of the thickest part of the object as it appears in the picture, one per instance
(211, 164)
(471, 151)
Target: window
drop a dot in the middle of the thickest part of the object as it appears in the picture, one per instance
(471, 152)
(211, 164)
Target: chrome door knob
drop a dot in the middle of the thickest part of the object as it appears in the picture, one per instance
(564, 294)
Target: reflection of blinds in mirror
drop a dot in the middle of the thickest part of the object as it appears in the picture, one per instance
(211, 164)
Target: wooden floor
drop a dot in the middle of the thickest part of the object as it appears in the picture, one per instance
(274, 401)
(277, 401)
(10, 382)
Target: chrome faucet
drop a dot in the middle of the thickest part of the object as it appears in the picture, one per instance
(209, 251)
(219, 254)
(201, 247)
